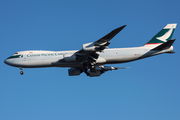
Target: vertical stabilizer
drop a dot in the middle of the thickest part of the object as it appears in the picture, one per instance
(162, 36)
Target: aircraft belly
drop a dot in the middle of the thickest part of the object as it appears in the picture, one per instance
(122, 59)
(67, 64)
(33, 63)
(30, 64)
(48, 62)
(115, 59)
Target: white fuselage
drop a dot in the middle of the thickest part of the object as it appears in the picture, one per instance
(32, 59)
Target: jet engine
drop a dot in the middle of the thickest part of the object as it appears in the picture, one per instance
(88, 47)
(94, 74)
(97, 46)
(74, 71)
(100, 70)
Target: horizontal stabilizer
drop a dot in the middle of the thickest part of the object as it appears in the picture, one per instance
(165, 45)
(122, 67)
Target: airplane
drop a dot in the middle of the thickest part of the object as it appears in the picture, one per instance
(93, 56)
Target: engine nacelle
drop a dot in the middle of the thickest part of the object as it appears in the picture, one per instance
(74, 71)
(94, 74)
(100, 70)
(70, 57)
(88, 47)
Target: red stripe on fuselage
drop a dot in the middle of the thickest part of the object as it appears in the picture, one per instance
(153, 43)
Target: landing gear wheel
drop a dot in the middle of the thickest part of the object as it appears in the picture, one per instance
(21, 73)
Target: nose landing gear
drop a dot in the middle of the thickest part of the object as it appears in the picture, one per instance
(21, 72)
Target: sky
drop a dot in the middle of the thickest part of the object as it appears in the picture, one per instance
(149, 90)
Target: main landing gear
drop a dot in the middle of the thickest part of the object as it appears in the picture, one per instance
(21, 72)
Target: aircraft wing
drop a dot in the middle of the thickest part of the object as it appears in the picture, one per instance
(102, 43)
(88, 54)
(109, 36)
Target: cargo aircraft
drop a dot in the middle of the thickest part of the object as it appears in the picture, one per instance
(92, 57)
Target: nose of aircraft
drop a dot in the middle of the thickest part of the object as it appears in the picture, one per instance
(8, 61)
(5, 61)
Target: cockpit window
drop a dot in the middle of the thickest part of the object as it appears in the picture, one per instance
(16, 53)
(15, 56)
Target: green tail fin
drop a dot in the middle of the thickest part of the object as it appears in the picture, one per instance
(163, 36)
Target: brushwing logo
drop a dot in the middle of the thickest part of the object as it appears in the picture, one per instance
(166, 35)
